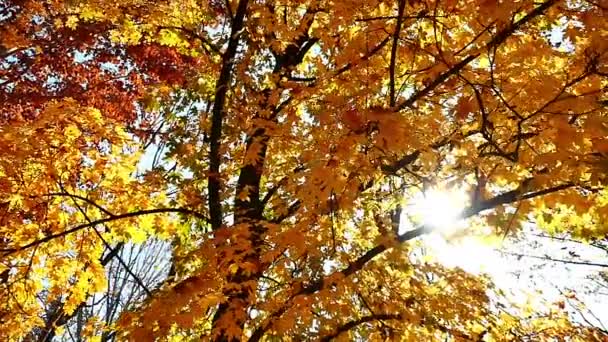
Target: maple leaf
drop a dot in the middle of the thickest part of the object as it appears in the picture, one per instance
(464, 107)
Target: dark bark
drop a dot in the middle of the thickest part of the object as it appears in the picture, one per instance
(221, 88)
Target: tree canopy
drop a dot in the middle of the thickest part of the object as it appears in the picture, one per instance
(277, 147)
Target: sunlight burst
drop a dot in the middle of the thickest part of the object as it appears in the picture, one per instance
(440, 209)
(469, 253)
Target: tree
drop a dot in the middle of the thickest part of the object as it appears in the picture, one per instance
(125, 280)
(129, 278)
(292, 135)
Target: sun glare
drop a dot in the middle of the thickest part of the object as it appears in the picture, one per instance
(468, 253)
(474, 252)
(440, 209)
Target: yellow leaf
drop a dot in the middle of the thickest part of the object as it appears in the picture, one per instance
(72, 22)
(72, 132)
(15, 201)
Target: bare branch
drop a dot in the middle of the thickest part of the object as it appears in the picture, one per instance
(548, 258)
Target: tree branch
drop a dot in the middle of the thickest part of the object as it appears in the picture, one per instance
(82, 198)
(221, 89)
(497, 40)
(9, 251)
(548, 258)
(367, 56)
(393, 62)
(357, 322)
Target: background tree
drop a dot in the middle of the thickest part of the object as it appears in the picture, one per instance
(292, 135)
(131, 273)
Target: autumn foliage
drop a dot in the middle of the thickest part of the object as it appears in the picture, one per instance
(291, 137)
